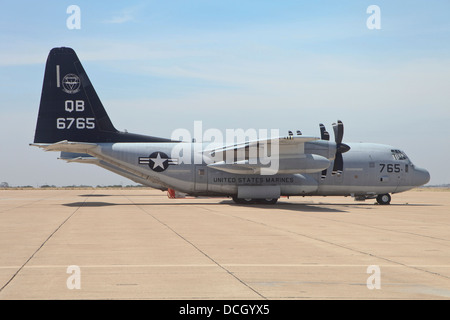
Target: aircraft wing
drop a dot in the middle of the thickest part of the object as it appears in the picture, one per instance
(259, 156)
(287, 144)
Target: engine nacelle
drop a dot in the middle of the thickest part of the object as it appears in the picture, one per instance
(326, 149)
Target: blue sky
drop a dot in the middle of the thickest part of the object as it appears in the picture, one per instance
(161, 65)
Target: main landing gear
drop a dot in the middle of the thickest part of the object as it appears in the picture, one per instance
(254, 201)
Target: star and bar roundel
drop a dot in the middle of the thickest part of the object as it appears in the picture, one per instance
(158, 161)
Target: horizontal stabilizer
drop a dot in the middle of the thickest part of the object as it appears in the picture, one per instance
(79, 158)
(66, 146)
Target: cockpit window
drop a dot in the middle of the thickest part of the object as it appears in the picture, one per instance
(399, 155)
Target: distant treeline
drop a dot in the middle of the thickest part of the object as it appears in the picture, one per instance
(447, 185)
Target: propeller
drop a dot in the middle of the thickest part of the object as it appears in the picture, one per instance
(324, 135)
(341, 148)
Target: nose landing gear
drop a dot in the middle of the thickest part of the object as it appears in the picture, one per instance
(384, 199)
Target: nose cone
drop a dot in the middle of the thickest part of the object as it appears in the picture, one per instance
(421, 177)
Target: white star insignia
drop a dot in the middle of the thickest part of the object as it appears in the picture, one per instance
(158, 161)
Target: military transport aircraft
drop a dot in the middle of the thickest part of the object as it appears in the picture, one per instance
(72, 120)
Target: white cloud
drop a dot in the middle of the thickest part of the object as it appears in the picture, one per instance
(126, 15)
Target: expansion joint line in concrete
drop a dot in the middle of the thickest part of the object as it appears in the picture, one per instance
(347, 248)
(40, 247)
(199, 250)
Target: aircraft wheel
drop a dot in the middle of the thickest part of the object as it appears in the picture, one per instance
(384, 199)
(241, 201)
(269, 201)
(249, 201)
(236, 199)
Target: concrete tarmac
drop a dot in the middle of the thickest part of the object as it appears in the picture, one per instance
(138, 244)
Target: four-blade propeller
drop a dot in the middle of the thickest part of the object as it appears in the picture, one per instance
(341, 148)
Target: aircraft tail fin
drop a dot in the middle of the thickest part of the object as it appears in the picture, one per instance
(71, 110)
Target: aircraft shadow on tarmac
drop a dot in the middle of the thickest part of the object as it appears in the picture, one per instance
(283, 206)
(289, 206)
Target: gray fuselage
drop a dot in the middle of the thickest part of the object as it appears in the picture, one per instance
(369, 170)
